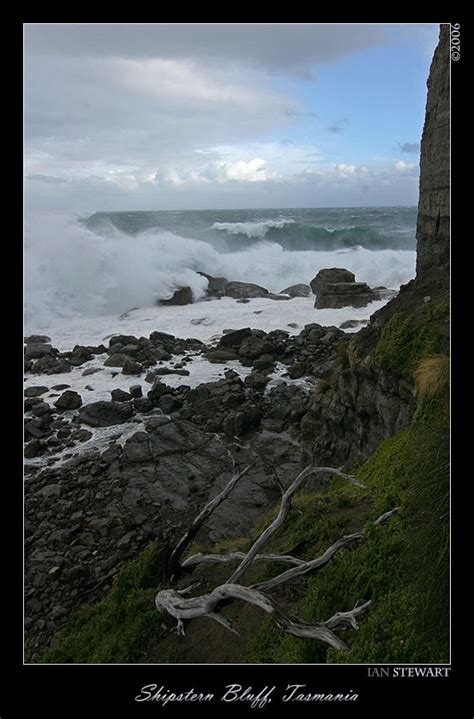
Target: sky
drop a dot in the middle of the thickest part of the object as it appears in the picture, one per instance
(223, 116)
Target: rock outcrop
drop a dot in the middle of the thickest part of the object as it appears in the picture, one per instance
(336, 287)
(433, 224)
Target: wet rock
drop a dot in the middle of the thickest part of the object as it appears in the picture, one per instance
(35, 391)
(119, 395)
(105, 414)
(59, 387)
(116, 360)
(33, 449)
(37, 339)
(216, 285)
(35, 350)
(132, 367)
(234, 337)
(336, 287)
(300, 290)
(142, 404)
(136, 390)
(239, 290)
(182, 296)
(158, 389)
(168, 404)
(68, 400)
(157, 338)
(91, 370)
(221, 355)
(123, 340)
(330, 275)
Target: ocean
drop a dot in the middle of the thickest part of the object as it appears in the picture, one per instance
(105, 264)
(91, 276)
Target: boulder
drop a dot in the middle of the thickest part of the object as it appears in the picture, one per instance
(119, 395)
(136, 390)
(330, 275)
(300, 290)
(157, 338)
(336, 287)
(158, 389)
(36, 391)
(239, 290)
(35, 350)
(37, 339)
(105, 414)
(68, 400)
(182, 296)
(116, 360)
(132, 367)
(235, 337)
(123, 340)
(216, 285)
(79, 355)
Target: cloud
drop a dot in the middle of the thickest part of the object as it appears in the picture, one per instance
(411, 148)
(296, 47)
(402, 166)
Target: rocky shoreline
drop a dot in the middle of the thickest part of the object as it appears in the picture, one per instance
(90, 506)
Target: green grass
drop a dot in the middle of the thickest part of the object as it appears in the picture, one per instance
(117, 628)
(407, 339)
(401, 566)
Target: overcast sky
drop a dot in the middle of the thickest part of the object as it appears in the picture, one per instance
(160, 116)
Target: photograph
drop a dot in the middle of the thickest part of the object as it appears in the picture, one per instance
(236, 385)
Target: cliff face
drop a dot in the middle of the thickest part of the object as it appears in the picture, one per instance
(369, 396)
(433, 210)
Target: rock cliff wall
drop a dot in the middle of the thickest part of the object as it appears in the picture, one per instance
(365, 401)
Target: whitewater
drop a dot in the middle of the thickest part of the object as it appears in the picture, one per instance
(90, 276)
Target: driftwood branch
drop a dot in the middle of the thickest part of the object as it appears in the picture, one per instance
(182, 607)
(174, 565)
(170, 601)
(313, 564)
(285, 507)
(199, 558)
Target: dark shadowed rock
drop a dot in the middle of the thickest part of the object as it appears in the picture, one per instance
(105, 414)
(336, 287)
(216, 286)
(132, 367)
(36, 391)
(37, 339)
(300, 290)
(239, 290)
(182, 296)
(116, 360)
(119, 395)
(330, 275)
(91, 370)
(123, 340)
(235, 337)
(35, 350)
(68, 400)
(157, 338)
(158, 389)
(136, 390)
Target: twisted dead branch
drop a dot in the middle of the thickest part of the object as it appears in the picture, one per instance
(210, 605)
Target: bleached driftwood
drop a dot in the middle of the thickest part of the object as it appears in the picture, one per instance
(210, 605)
(169, 600)
(174, 565)
(285, 507)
